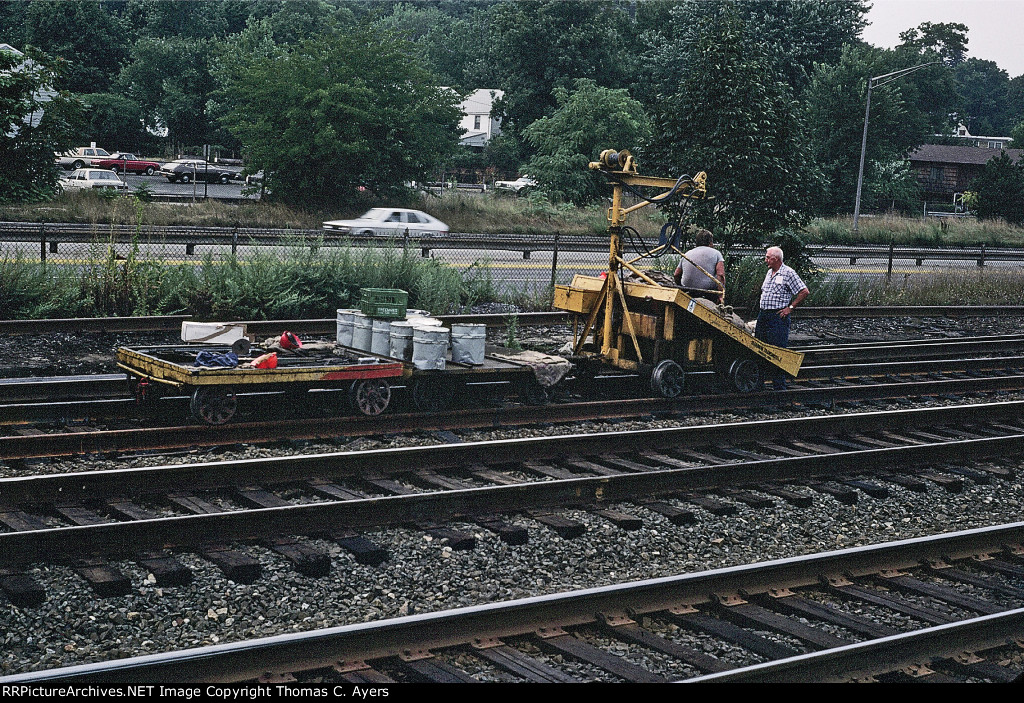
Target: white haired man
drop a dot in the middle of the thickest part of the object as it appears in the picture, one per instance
(781, 291)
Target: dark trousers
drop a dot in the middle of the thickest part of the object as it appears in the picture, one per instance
(773, 329)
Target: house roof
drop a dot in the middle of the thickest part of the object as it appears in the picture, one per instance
(942, 153)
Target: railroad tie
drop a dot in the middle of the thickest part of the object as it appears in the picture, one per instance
(166, 569)
(628, 630)
(799, 500)
(432, 670)
(106, 580)
(509, 533)
(676, 516)
(757, 617)
(945, 594)
(567, 645)
(364, 551)
(805, 608)
(564, 527)
(306, 559)
(235, 565)
(715, 507)
(624, 521)
(722, 629)
(519, 664)
(21, 590)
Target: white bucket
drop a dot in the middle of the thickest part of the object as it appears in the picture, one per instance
(381, 338)
(468, 342)
(429, 346)
(345, 320)
(425, 321)
(416, 313)
(401, 340)
(362, 331)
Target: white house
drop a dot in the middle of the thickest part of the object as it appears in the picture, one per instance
(43, 96)
(476, 118)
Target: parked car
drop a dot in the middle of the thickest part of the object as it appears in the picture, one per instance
(519, 185)
(188, 170)
(129, 163)
(80, 157)
(393, 221)
(87, 178)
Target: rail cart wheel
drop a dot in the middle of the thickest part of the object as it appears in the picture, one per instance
(430, 395)
(212, 405)
(668, 379)
(747, 375)
(533, 393)
(722, 364)
(370, 396)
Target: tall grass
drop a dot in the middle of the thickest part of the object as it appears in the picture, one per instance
(302, 281)
(915, 231)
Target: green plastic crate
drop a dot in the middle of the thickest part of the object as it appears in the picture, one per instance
(387, 303)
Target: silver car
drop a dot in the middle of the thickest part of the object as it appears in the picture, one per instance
(390, 221)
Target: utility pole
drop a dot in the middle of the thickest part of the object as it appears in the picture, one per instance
(876, 82)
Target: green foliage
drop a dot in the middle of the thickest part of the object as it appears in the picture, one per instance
(334, 115)
(586, 121)
(1000, 189)
(32, 127)
(948, 39)
(724, 112)
(984, 93)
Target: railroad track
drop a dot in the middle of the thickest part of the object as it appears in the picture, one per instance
(87, 518)
(815, 618)
(822, 386)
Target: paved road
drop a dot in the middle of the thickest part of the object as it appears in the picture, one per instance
(161, 186)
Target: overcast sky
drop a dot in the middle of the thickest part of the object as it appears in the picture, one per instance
(996, 26)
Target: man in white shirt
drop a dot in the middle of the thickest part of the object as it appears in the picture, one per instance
(781, 291)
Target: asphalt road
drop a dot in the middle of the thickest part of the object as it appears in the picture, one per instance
(161, 186)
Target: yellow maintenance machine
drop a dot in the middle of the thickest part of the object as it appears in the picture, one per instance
(636, 324)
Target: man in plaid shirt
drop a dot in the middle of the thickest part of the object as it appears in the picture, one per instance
(781, 291)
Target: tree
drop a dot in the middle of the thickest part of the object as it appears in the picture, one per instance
(35, 122)
(336, 114)
(948, 39)
(984, 90)
(115, 122)
(724, 111)
(537, 46)
(586, 121)
(903, 114)
(1000, 190)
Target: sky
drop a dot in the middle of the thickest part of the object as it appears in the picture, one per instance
(996, 26)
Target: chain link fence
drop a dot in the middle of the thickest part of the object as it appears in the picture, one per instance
(517, 266)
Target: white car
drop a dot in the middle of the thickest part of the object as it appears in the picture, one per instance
(517, 185)
(390, 221)
(87, 178)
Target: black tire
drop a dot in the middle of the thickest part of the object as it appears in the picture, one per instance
(224, 178)
(186, 178)
(668, 379)
(430, 395)
(747, 376)
(77, 165)
(370, 396)
(150, 170)
(213, 405)
(115, 169)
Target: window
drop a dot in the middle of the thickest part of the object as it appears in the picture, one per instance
(394, 217)
(995, 145)
(476, 121)
(935, 175)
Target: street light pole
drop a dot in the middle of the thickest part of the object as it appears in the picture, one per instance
(875, 82)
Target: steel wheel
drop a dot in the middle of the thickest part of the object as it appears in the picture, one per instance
(429, 395)
(668, 379)
(747, 375)
(370, 396)
(213, 405)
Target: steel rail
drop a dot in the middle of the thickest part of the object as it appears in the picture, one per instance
(366, 642)
(105, 441)
(126, 538)
(328, 325)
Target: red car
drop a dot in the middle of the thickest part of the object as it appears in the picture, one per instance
(120, 161)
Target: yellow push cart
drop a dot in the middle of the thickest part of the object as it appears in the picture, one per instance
(628, 320)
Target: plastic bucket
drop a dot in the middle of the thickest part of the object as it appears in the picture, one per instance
(362, 331)
(468, 342)
(345, 320)
(380, 342)
(401, 340)
(429, 346)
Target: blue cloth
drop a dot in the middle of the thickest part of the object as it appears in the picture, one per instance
(774, 329)
(209, 358)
